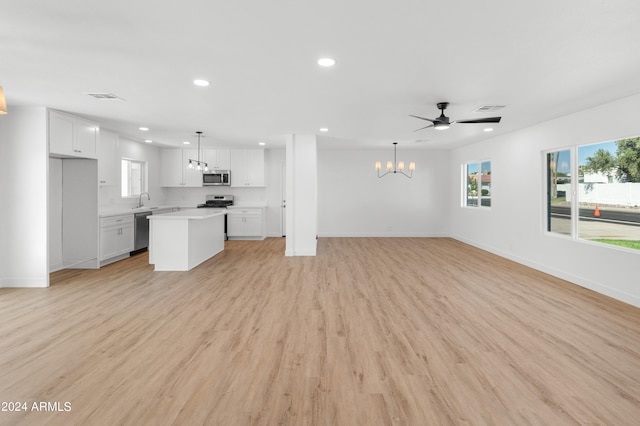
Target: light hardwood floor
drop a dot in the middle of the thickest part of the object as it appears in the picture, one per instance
(372, 331)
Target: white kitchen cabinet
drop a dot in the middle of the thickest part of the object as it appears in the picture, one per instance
(245, 223)
(247, 168)
(108, 164)
(175, 170)
(192, 177)
(172, 168)
(116, 237)
(71, 136)
(218, 159)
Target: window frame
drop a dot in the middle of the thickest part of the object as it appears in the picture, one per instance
(574, 235)
(143, 177)
(465, 184)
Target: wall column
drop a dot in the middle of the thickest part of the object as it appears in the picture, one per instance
(302, 200)
(24, 168)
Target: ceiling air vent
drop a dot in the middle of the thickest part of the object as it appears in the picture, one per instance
(105, 96)
(489, 108)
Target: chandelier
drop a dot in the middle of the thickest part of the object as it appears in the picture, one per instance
(200, 166)
(395, 166)
(3, 102)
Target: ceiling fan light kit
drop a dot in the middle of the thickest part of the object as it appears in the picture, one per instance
(395, 166)
(443, 122)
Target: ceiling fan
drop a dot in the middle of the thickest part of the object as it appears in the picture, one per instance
(443, 121)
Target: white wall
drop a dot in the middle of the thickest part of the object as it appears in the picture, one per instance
(514, 226)
(274, 194)
(302, 199)
(24, 161)
(55, 214)
(110, 196)
(353, 201)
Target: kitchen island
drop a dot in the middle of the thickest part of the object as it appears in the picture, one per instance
(180, 241)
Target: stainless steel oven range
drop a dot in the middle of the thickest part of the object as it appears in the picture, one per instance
(218, 202)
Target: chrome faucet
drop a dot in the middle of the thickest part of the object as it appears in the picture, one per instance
(140, 198)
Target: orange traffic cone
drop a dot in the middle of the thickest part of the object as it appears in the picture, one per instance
(596, 213)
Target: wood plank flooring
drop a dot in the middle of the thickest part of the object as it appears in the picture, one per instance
(372, 331)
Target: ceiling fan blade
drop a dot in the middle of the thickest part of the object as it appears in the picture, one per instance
(422, 128)
(481, 120)
(422, 118)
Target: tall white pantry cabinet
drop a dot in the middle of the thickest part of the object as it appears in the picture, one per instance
(73, 191)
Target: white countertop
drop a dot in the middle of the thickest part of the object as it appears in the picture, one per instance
(249, 205)
(117, 211)
(189, 214)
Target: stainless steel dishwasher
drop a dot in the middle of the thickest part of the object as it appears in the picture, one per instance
(141, 231)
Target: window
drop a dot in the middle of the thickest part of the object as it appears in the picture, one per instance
(559, 192)
(477, 184)
(134, 177)
(607, 192)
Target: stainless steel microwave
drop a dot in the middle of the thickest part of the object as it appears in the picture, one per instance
(216, 178)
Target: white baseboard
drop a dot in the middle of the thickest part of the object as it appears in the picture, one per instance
(574, 279)
(24, 282)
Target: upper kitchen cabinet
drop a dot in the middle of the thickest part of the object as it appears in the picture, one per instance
(218, 159)
(247, 168)
(71, 136)
(108, 165)
(175, 170)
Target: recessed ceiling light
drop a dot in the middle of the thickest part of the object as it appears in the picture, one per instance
(148, 140)
(186, 143)
(326, 62)
(324, 129)
(201, 83)
(144, 129)
(489, 129)
(262, 143)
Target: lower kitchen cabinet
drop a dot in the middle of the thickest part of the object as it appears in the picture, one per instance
(245, 223)
(116, 238)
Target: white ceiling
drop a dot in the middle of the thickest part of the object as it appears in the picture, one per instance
(541, 59)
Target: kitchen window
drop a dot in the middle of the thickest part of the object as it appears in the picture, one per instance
(477, 184)
(134, 177)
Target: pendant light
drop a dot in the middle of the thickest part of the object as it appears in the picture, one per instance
(395, 166)
(3, 102)
(200, 166)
